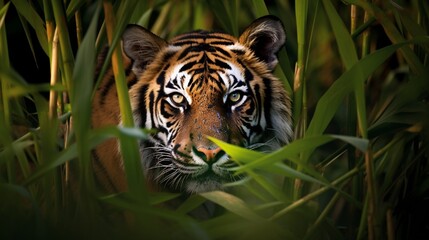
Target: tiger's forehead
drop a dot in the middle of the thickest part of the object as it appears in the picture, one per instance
(198, 37)
(202, 59)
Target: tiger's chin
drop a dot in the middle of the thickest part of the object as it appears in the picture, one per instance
(203, 185)
(204, 181)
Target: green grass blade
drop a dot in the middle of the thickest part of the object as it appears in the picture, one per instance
(331, 100)
(392, 32)
(3, 12)
(80, 95)
(65, 44)
(222, 14)
(299, 88)
(129, 146)
(34, 20)
(259, 7)
(233, 204)
(345, 43)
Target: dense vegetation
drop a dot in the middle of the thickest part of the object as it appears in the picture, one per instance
(357, 71)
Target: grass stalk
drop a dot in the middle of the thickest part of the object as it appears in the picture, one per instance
(53, 95)
(359, 30)
(372, 207)
(49, 22)
(158, 27)
(369, 164)
(78, 20)
(65, 45)
(128, 146)
(353, 18)
(392, 32)
(313, 194)
(301, 9)
(365, 36)
(390, 225)
(5, 115)
(323, 214)
(300, 114)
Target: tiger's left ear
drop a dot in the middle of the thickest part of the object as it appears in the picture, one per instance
(265, 36)
(141, 45)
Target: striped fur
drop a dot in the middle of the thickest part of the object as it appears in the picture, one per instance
(196, 85)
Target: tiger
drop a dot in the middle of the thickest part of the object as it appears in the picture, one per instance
(198, 84)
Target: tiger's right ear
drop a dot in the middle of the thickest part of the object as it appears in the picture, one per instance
(265, 36)
(141, 46)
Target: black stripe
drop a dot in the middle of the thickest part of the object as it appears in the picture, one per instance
(248, 76)
(132, 80)
(187, 66)
(217, 81)
(152, 107)
(222, 64)
(255, 129)
(101, 173)
(187, 57)
(195, 84)
(222, 51)
(259, 100)
(142, 104)
(106, 87)
(173, 84)
(181, 43)
(167, 56)
(267, 101)
(100, 61)
(251, 108)
(238, 52)
(161, 78)
(220, 56)
(223, 43)
(199, 34)
(111, 83)
(164, 109)
(184, 53)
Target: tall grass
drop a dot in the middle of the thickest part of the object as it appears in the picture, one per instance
(357, 72)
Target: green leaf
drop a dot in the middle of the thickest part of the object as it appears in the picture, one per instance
(232, 204)
(34, 20)
(260, 8)
(273, 162)
(73, 6)
(237, 153)
(344, 40)
(191, 203)
(3, 12)
(333, 97)
(222, 12)
(16, 146)
(80, 95)
(359, 143)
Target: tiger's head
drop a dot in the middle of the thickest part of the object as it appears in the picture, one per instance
(203, 84)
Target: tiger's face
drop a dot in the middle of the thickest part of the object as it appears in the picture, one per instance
(204, 84)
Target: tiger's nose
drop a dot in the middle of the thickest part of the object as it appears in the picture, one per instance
(210, 155)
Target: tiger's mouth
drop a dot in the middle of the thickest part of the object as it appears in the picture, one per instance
(189, 173)
(209, 177)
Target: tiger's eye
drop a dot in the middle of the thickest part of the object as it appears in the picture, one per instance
(235, 97)
(177, 98)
